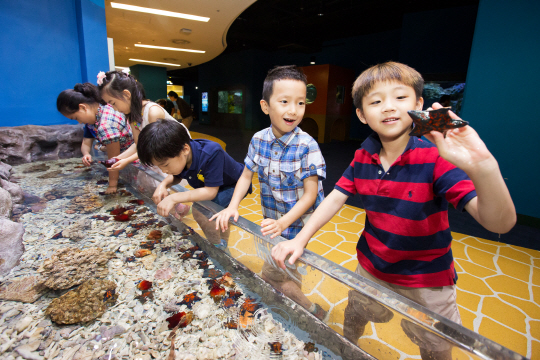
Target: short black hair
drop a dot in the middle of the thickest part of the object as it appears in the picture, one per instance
(161, 140)
(287, 72)
(172, 94)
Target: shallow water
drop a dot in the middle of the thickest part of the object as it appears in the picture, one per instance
(65, 194)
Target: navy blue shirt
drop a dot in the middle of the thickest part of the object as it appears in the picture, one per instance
(87, 133)
(210, 166)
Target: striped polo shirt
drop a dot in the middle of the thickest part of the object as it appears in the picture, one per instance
(406, 240)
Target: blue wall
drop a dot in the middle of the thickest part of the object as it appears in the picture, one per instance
(40, 56)
(501, 97)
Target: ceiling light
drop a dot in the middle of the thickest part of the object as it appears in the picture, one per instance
(121, 67)
(180, 41)
(158, 12)
(169, 48)
(196, 87)
(153, 62)
(312, 63)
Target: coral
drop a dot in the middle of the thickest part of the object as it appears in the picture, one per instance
(25, 289)
(86, 203)
(77, 231)
(82, 304)
(69, 266)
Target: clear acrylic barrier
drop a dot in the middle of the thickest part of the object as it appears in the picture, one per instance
(398, 327)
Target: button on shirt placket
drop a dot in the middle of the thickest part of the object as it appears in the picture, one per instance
(273, 170)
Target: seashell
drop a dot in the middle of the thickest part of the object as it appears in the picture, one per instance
(142, 252)
(148, 261)
(23, 324)
(163, 274)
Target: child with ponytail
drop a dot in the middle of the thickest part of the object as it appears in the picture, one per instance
(125, 94)
(84, 105)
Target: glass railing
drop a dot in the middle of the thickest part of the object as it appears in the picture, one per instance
(335, 296)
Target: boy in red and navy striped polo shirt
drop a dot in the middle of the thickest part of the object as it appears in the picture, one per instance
(405, 185)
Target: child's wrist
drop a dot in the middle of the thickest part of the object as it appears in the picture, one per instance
(486, 167)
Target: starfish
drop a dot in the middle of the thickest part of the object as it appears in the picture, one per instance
(438, 120)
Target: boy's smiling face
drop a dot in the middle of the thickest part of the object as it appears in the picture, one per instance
(385, 109)
(286, 106)
(175, 165)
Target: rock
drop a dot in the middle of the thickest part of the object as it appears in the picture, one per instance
(14, 190)
(11, 244)
(83, 304)
(29, 143)
(25, 289)
(6, 205)
(5, 171)
(68, 267)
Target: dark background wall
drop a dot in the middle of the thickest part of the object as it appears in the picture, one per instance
(153, 78)
(501, 94)
(435, 42)
(47, 46)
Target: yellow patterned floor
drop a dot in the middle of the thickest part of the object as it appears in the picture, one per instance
(498, 287)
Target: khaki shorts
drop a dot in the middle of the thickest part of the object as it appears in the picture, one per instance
(440, 300)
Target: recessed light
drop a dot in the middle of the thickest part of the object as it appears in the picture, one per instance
(169, 48)
(196, 87)
(312, 63)
(158, 12)
(153, 62)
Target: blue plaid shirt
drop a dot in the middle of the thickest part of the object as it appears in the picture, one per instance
(282, 165)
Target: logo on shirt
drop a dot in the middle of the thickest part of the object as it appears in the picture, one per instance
(200, 176)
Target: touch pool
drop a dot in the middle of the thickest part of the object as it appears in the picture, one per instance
(105, 277)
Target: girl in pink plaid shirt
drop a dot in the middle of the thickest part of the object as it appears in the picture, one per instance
(84, 105)
(125, 94)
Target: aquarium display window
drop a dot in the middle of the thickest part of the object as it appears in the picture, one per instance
(230, 101)
(435, 90)
(204, 101)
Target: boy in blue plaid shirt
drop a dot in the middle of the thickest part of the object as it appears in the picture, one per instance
(290, 168)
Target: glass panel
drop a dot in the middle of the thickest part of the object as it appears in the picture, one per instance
(397, 326)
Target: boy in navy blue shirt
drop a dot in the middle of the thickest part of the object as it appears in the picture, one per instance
(203, 163)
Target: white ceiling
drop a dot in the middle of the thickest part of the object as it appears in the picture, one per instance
(128, 28)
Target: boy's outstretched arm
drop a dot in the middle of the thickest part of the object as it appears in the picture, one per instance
(493, 207)
(276, 227)
(200, 194)
(326, 210)
(240, 190)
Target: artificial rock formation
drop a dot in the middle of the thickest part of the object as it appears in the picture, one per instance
(68, 267)
(26, 289)
(6, 205)
(87, 302)
(23, 144)
(5, 171)
(14, 190)
(11, 244)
